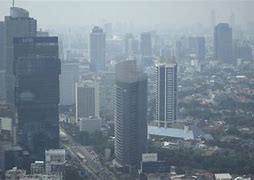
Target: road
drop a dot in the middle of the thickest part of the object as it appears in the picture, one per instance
(91, 162)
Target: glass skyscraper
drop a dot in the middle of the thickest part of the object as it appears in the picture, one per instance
(36, 70)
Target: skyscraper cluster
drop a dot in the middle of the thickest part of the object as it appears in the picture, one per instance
(30, 69)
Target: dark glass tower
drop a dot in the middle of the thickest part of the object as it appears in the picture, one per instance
(36, 70)
(223, 43)
(130, 114)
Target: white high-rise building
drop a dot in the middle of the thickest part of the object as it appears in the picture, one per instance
(97, 49)
(166, 97)
(87, 100)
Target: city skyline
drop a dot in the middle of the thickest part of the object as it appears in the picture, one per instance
(110, 11)
(156, 89)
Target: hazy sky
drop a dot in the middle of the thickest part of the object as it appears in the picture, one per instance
(167, 12)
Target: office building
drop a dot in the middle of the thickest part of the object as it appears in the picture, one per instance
(20, 174)
(166, 93)
(55, 161)
(11, 155)
(242, 51)
(131, 45)
(2, 63)
(36, 70)
(108, 27)
(213, 19)
(223, 43)
(37, 167)
(14, 174)
(130, 114)
(2, 86)
(18, 24)
(90, 124)
(107, 92)
(41, 33)
(222, 176)
(200, 49)
(97, 49)
(87, 100)
(69, 76)
(146, 44)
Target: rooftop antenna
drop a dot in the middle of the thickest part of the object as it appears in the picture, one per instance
(13, 3)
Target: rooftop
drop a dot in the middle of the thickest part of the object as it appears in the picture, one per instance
(171, 132)
(223, 176)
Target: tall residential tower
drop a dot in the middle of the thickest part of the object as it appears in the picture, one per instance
(166, 97)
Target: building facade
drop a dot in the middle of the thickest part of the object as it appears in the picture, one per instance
(130, 114)
(107, 92)
(18, 24)
(55, 161)
(69, 76)
(87, 100)
(166, 94)
(97, 49)
(146, 44)
(223, 43)
(36, 70)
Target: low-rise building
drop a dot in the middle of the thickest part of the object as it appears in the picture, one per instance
(223, 176)
(90, 124)
(55, 161)
(37, 167)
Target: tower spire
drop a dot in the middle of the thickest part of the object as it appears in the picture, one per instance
(13, 3)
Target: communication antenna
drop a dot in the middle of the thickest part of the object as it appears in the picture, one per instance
(13, 3)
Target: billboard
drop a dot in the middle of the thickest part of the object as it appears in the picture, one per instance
(149, 157)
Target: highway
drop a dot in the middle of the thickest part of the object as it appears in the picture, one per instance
(87, 158)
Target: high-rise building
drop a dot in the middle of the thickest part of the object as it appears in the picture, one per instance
(131, 45)
(108, 27)
(18, 24)
(36, 70)
(200, 48)
(213, 19)
(107, 92)
(2, 85)
(223, 43)
(2, 63)
(87, 100)
(146, 44)
(166, 94)
(69, 76)
(130, 114)
(90, 125)
(97, 49)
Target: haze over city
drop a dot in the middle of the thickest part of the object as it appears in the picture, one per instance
(154, 13)
(126, 90)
